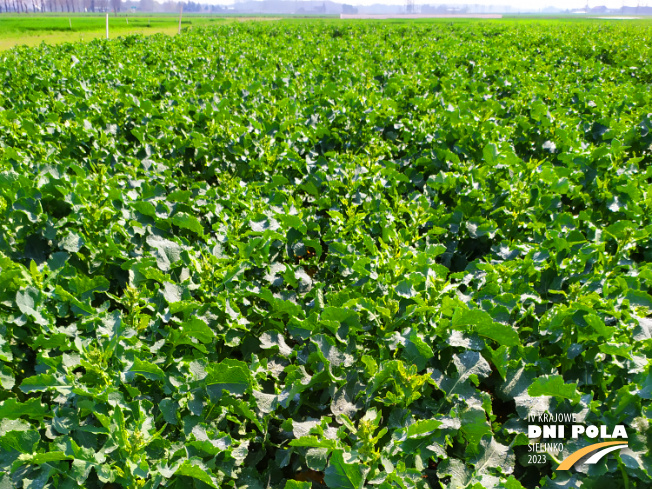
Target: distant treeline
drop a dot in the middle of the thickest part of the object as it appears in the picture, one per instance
(26, 6)
(29, 6)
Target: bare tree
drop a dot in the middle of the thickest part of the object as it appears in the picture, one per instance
(115, 5)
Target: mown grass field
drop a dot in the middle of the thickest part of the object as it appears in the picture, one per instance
(32, 29)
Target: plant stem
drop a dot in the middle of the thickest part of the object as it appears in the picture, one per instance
(624, 472)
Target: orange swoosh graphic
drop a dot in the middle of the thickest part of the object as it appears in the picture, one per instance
(575, 456)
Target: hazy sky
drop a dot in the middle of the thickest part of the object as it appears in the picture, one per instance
(517, 4)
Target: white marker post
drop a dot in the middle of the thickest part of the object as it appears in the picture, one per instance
(180, 14)
(107, 25)
(70, 23)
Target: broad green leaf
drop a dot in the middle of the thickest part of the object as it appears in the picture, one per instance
(417, 352)
(480, 322)
(422, 428)
(71, 242)
(172, 292)
(645, 389)
(21, 441)
(317, 458)
(639, 298)
(68, 297)
(314, 442)
(43, 458)
(197, 328)
(230, 375)
(553, 385)
(147, 369)
(511, 483)
(197, 472)
(167, 252)
(40, 382)
(187, 221)
(490, 153)
(169, 409)
(474, 426)
(7, 379)
(32, 408)
(405, 289)
(493, 456)
(340, 474)
(27, 300)
(146, 208)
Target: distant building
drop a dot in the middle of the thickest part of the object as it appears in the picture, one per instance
(636, 10)
(442, 9)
